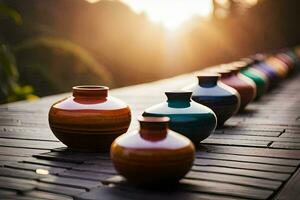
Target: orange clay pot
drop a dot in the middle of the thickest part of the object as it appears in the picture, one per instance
(154, 154)
(90, 119)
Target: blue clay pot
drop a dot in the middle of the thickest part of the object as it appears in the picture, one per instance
(222, 99)
(187, 117)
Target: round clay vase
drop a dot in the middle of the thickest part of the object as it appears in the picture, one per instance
(260, 80)
(278, 65)
(222, 99)
(153, 155)
(245, 86)
(267, 70)
(187, 117)
(89, 120)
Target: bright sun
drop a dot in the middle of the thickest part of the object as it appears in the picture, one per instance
(171, 13)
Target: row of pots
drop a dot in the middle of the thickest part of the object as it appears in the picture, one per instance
(92, 120)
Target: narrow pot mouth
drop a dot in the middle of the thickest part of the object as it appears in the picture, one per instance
(208, 79)
(153, 128)
(179, 95)
(85, 91)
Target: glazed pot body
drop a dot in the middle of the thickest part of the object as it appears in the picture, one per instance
(245, 87)
(269, 72)
(152, 155)
(222, 99)
(90, 119)
(260, 80)
(187, 117)
(279, 66)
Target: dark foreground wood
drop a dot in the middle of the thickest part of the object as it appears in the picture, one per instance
(256, 156)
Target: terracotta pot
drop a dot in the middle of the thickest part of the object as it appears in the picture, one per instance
(90, 119)
(154, 154)
(245, 86)
(189, 118)
(222, 99)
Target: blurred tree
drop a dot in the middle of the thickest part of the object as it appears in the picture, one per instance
(53, 65)
(10, 89)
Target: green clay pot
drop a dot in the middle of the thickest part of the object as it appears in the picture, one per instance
(260, 80)
(187, 117)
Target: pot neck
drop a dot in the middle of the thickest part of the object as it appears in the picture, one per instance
(179, 99)
(153, 128)
(208, 80)
(90, 92)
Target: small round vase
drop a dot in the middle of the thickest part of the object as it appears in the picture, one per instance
(222, 99)
(189, 118)
(278, 65)
(267, 70)
(261, 81)
(152, 155)
(90, 119)
(245, 86)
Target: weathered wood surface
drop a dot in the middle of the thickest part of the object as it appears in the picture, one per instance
(256, 156)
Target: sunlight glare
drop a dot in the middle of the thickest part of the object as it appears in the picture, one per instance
(171, 13)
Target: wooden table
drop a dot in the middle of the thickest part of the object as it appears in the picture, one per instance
(256, 156)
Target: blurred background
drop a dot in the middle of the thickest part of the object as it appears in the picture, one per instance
(48, 46)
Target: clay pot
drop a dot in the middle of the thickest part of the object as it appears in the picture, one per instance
(90, 119)
(267, 70)
(189, 118)
(222, 99)
(245, 86)
(279, 66)
(152, 155)
(260, 80)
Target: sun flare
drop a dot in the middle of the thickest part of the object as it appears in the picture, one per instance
(171, 13)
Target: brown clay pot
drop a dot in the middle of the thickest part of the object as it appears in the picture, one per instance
(245, 86)
(154, 154)
(90, 119)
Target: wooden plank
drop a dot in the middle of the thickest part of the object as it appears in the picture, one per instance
(49, 163)
(16, 173)
(59, 189)
(225, 189)
(121, 193)
(244, 165)
(264, 152)
(254, 138)
(252, 159)
(34, 167)
(235, 179)
(71, 182)
(94, 176)
(46, 195)
(10, 151)
(31, 144)
(285, 145)
(248, 143)
(290, 191)
(243, 172)
(16, 184)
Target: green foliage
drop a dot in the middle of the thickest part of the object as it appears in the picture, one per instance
(6, 11)
(10, 90)
(54, 65)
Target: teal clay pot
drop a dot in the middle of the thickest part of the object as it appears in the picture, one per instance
(260, 80)
(187, 117)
